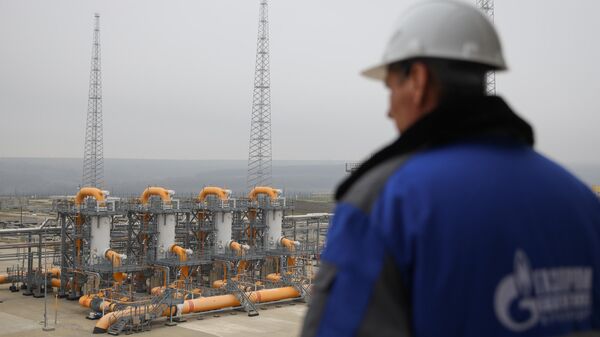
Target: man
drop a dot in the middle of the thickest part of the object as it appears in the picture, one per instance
(458, 228)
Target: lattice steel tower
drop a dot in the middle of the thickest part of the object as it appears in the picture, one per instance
(487, 7)
(260, 157)
(93, 158)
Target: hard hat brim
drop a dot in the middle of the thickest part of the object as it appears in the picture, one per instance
(378, 72)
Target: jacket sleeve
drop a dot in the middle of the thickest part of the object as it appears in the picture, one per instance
(358, 290)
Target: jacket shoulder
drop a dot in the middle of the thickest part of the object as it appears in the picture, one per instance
(366, 190)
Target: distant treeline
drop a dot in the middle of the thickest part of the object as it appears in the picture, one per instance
(125, 177)
(129, 177)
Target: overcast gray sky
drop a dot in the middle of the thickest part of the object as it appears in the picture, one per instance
(178, 76)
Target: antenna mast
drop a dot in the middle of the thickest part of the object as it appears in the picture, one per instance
(93, 158)
(487, 7)
(260, 156)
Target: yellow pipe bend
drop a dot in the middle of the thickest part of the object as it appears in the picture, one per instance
(55, 272)
(221, 193)
(85, 192)
(5, 279)
(270, 191)
(115, 258)
(55, 283)
(289, 244)
(236, 246)
(182, 254)
(158, 191)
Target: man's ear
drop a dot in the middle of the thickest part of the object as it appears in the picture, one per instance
(419, 79)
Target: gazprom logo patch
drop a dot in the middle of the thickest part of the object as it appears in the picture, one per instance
(530, 297)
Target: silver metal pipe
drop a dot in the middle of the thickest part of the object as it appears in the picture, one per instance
(27, 230)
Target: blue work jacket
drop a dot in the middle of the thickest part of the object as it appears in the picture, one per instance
(460, 229)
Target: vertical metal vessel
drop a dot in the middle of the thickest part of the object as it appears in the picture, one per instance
(273, 220)
(100, 237)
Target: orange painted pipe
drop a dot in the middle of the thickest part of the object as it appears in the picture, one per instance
(221, 193)
(90, 192)
(115, 258)
(274, 277)
(291, 246)
(206, 304)
(225, 301)
(104, 306)
(219, 284)
(270, 191)
(6, 279)
(182, 254)
(157, 291)
(85, 300)
(158, 191)
(55, 272)
(235, 246)
(108, 319)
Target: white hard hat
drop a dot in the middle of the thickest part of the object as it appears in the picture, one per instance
(442, 29)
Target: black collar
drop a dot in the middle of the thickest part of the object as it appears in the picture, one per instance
(451, 121)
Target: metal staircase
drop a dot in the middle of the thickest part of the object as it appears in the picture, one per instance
(297, 280)
(150, 312)
(304, 290)
(234, 288)
(119, 325)
(157, 305)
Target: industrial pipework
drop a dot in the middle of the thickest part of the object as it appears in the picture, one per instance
(100, 235)
(270, 191)
(164, 194)
(53, 272)
(99, 224)
(223, 221)
(5, 279)
(93, 192)
(221, 193)
(205, 304)
(116, 258)
(182, 253)
(273, 219)
(165, 221)
(291, 261)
